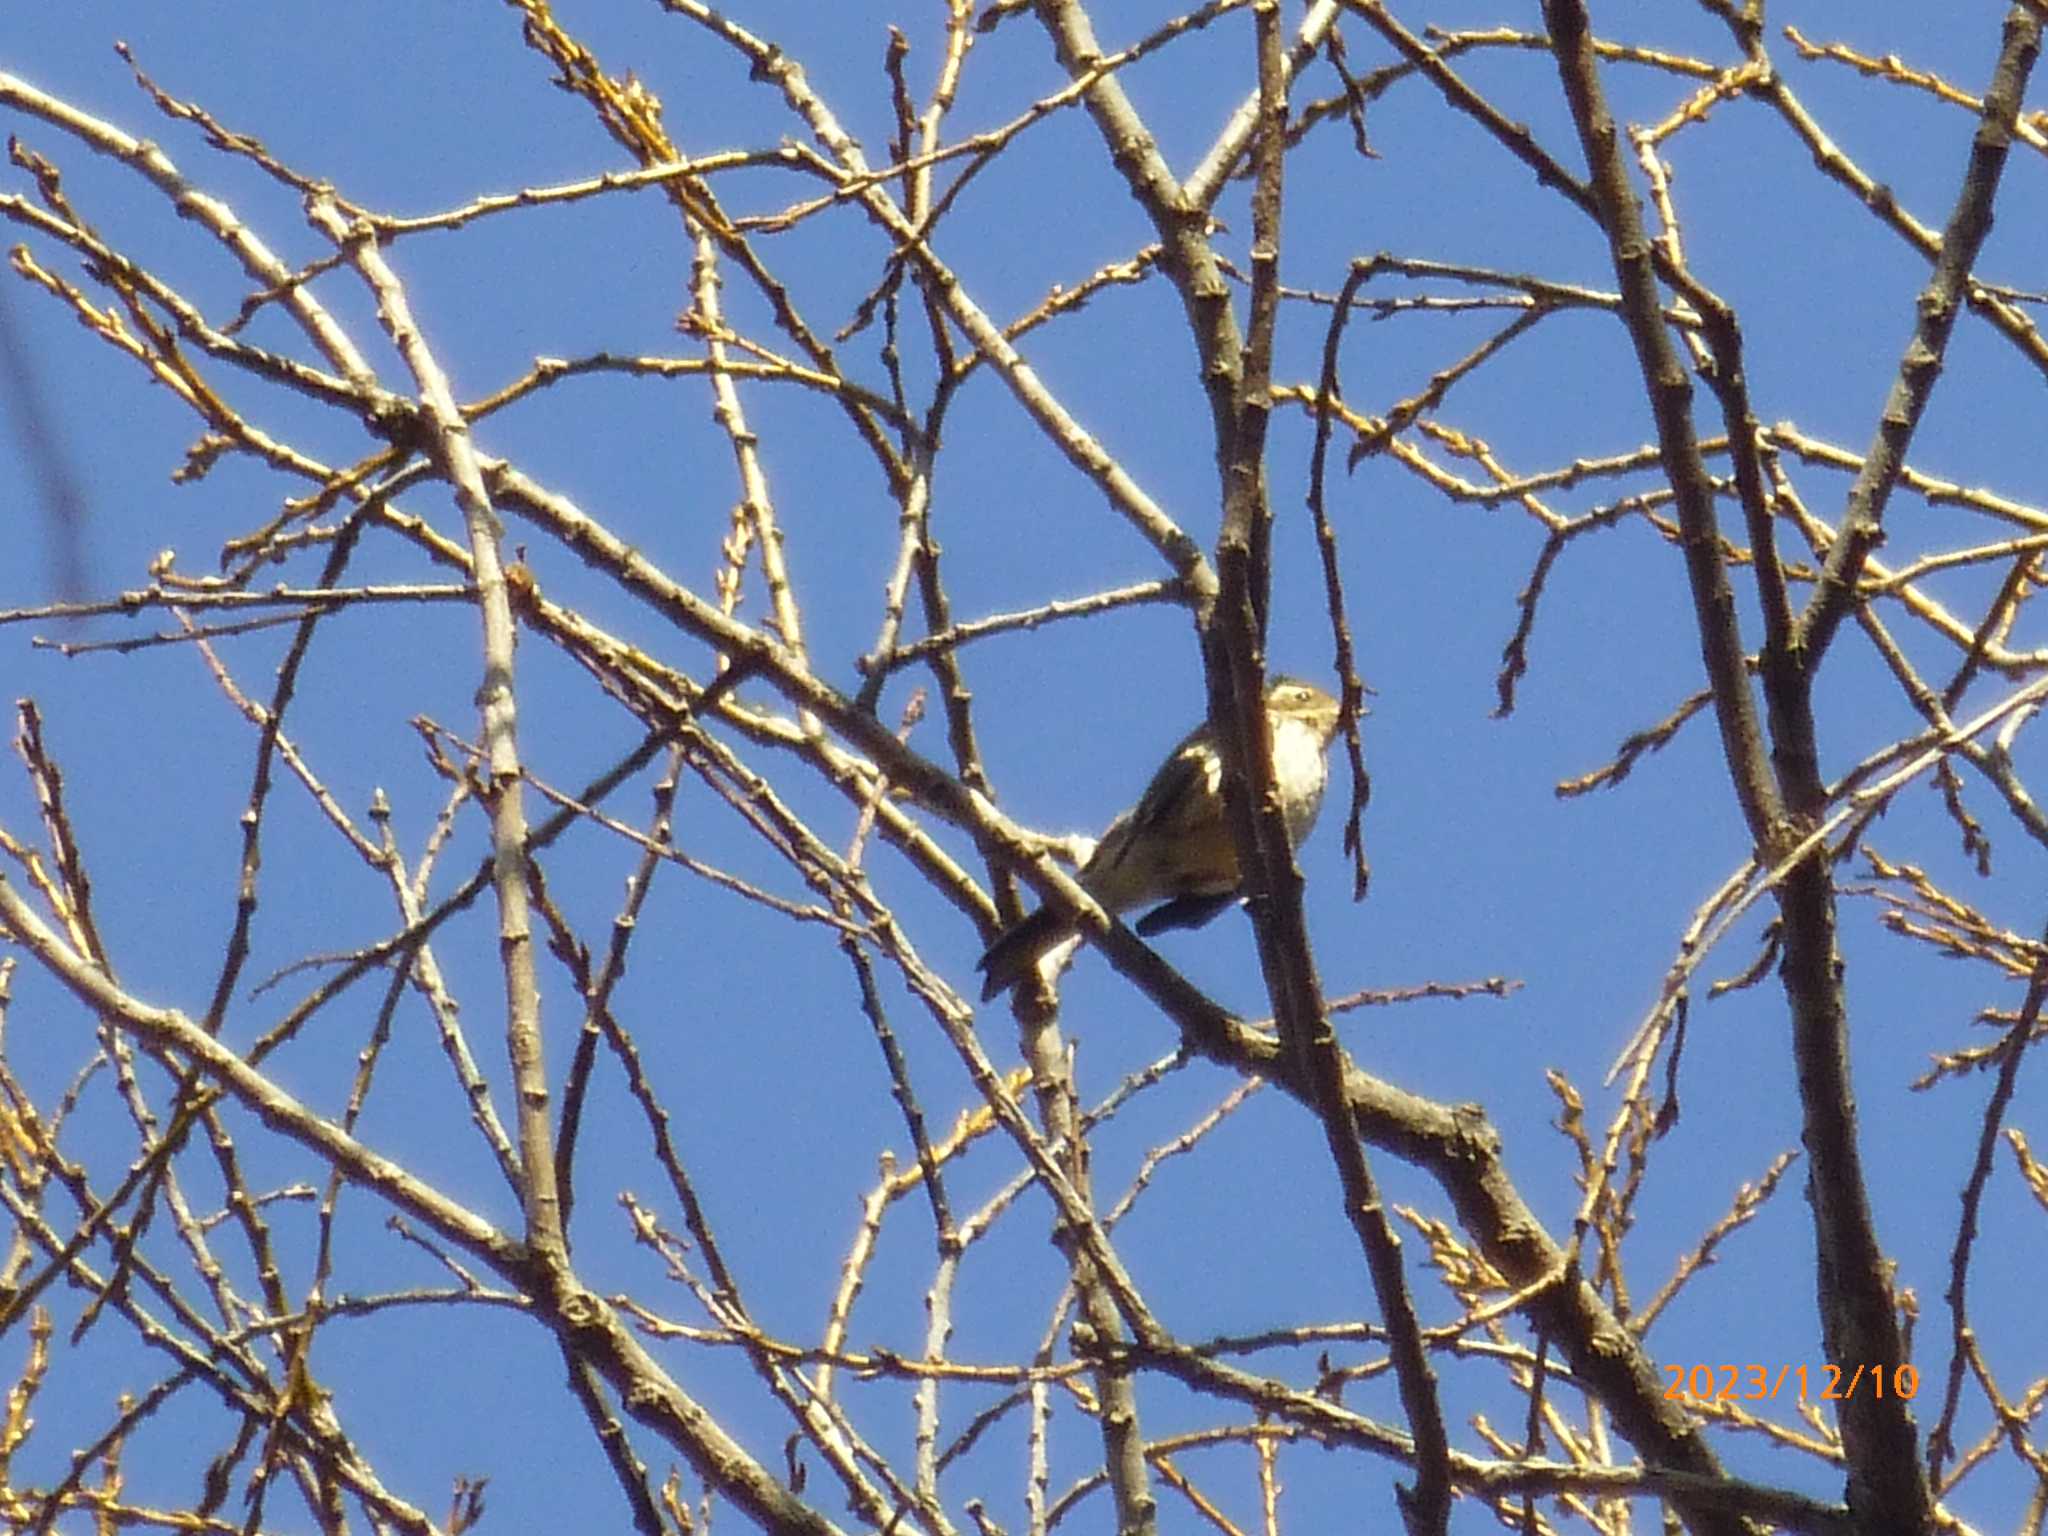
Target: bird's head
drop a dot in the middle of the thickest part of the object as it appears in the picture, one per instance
(1289, 698)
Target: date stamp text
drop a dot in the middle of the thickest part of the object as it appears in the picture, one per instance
(1754, 1382)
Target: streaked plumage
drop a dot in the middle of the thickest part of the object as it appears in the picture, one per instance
(1174, 846)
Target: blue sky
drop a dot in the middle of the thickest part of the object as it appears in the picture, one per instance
(749, 1022)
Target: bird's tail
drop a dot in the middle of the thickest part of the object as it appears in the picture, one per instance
(1018, 949)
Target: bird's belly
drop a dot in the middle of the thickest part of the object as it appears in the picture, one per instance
(1299, 771)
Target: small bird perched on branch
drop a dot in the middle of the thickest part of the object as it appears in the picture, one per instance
(1175, 846)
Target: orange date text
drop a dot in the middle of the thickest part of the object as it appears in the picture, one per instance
(1751, 1382)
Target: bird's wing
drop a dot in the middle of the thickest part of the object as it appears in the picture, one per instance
(1181, 788)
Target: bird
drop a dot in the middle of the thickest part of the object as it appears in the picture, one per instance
(1174, 846)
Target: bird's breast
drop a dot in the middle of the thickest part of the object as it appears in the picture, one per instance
(1300, 769)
